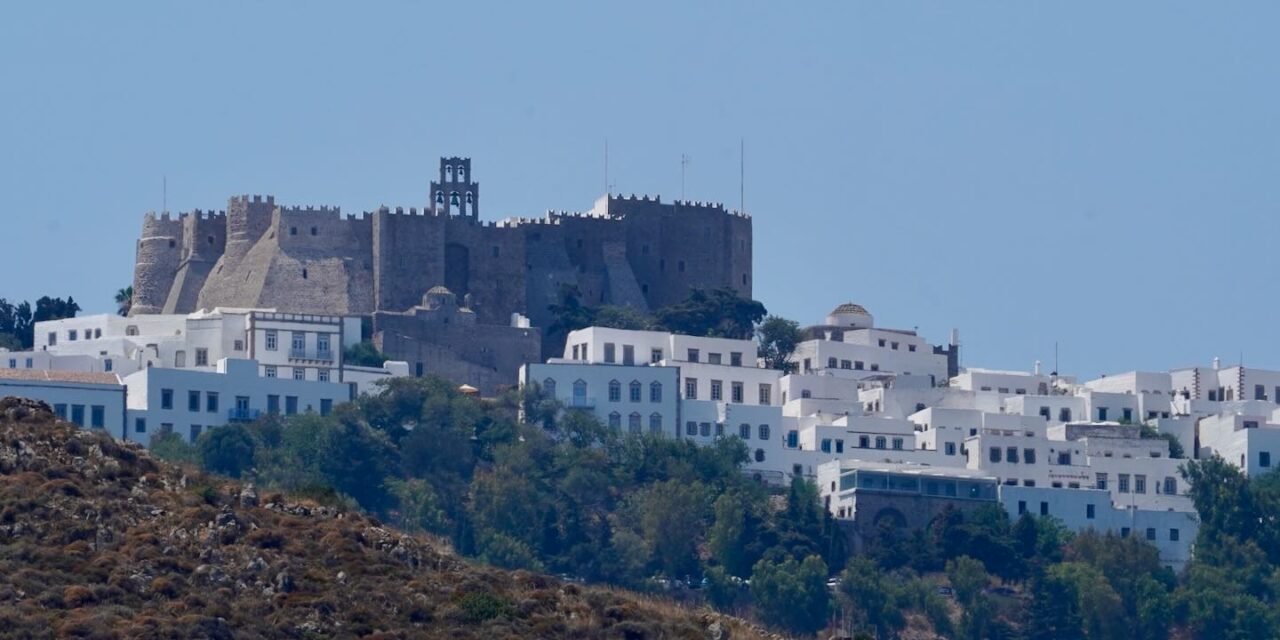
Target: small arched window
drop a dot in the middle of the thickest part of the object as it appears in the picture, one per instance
(880, 442)
(655, 422)
(759, 455)
(448, 171)
(439, 197)
(615, 391)
(462, 174)
(637, 390)
(633, 422)
(744, 431)
(580, 393)
(655, 392)
(470, 198)
(615, 420)
(549, 387)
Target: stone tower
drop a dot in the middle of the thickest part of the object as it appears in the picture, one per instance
(455, 189)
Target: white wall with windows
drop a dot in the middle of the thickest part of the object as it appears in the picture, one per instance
(93, 401)
(188, 401)
(618, 395)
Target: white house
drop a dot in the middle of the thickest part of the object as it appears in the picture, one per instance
(91, 400)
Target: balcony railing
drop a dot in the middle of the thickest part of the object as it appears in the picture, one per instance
(317, 355)
(243, 415)
(580, 402)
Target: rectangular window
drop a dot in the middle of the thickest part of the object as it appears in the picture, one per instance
(716, 389)
(140, 425)
(71, 335)
(1044, 508)
(77, 414)
(322, 375)
(713, 358)
(691, 428)
(704, 428)
(1029, 456)
(107, 365)
(693, 355)
(97, 416)
(1011, 455)
(273, 404)
(735, 392)
(846, 364)
(1264, 459)
(719, 427)
(270, 371)
(1022, 507)
(1174, 535)
(60, 410)
(238, 345)
(655, 356)
(299, 373)
(735, 358)
(1101, 482)
(839, 446)
(53, 339)
(211, 402)
(793, 439)
(1259, 392)
(322, 346)
(326, 406)
(272, 340)
(1151, 533)
(994, 454)
(826, 445)
(1088, 511)
(635, 391)
(299, 341)
(1126, 414)
(950, 448)
(1170, 486)
(1102, 414)
(166, 398)
(628, 354)
(608, 352)
(202, 357)
(655, 392)
(195, 431)
(1124, 482)
(691, 388)
(864, 442)
(193, 401)
(897, 444)
(765, 393)
(1139, 483)
(615, 391)
(290, 405)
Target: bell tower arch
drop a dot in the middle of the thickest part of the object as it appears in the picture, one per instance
(454, 192)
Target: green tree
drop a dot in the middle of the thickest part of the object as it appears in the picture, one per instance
(719, 312)
(672, 517)
(731, 532)
(363, 354)
(124, 300)
(790, 594)
(968, 578)
(227, 450)
(172, 447)
(866, 598)
(778, 338)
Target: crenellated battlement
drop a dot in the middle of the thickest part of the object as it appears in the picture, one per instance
(256, 199)
(312, 210)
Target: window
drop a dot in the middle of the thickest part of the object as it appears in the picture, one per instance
(1259, 392)
(793, 439)
(290, 405)
(994, 454)
(864, 442)
(735, 392)
(691, 428)
(759, 455)
(911, 348)
(180, 359)
(237, 345)
(140, 425)
(1174, 535)
(875, 367)
(299, 373)
(846, 364)
(193, 401)
(839, 446)
(628, 354)
(655, 391)
(549, 387)
(763, 432)
(53, 339)
(1264, 459)
(691, 388)
(202, 357)
(765, 392)
(322, 345)
(719, 429)
(735, 358)
(1044, 411)
(704, 428)
(744, 431)
(166, 398)
(326, 406)
(1022, 507)
(717, 389)
(897, 444)
(1064, 415)
(195, 431)
(1151, 533)
(894, 346)
(615, 420)
(882, 342)
(805, 393)
(1124, 482)
(1102, 414)
(97, 416)
(807, 368)
(655, 356)
(615, 391)
(880, 442)
(61, 410)
(1028, 483)
(693, 355)
(1011, 455)
(636, 390)
(13, 363)
(77, 414)
(211, 402)
(1029, 456)
(1101, 481)
(713, 358)
(71, 335)
(609, 352)
(269, 371)
(1044, 508)
(1126, 414)
(1170, 486)
(949, 448)
(655, 422)
(1088, 511)
(831, 363)
(858, 365)
(322, 375)
(1124, 532)
(1064, 457)
(1139, 483)
(29, 363)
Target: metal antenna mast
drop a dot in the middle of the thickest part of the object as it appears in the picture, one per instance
(684, 162)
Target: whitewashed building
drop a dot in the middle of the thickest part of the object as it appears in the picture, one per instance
(90, 400)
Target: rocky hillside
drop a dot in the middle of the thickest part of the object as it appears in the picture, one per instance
(98, 539)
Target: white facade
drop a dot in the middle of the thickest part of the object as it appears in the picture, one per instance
(90, 400)
(188, 402)
(635, 398)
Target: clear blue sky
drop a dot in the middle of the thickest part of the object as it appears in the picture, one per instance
(1099, 174)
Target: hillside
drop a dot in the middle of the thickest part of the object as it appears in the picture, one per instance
(98, 539)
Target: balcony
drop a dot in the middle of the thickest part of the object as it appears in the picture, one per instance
(325, 355)
(243, 415)
(580, 402)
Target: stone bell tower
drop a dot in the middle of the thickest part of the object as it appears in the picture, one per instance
(455, 193)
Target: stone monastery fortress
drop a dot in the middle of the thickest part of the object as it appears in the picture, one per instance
(636, 251)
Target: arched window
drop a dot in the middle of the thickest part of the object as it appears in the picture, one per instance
(448, 172)
(633, 422)
(580, 393)
(470, 198)
(655, 392)
(759, 455)
(462, 173)
(655, 422)
(439, 197)
(615, 391)
(744, 431)
(764, 432)
(636, 390)
(615, 420)
(453, 197)
(549, 387)
(880, 442)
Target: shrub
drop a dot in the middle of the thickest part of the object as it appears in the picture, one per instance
(479, 606)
